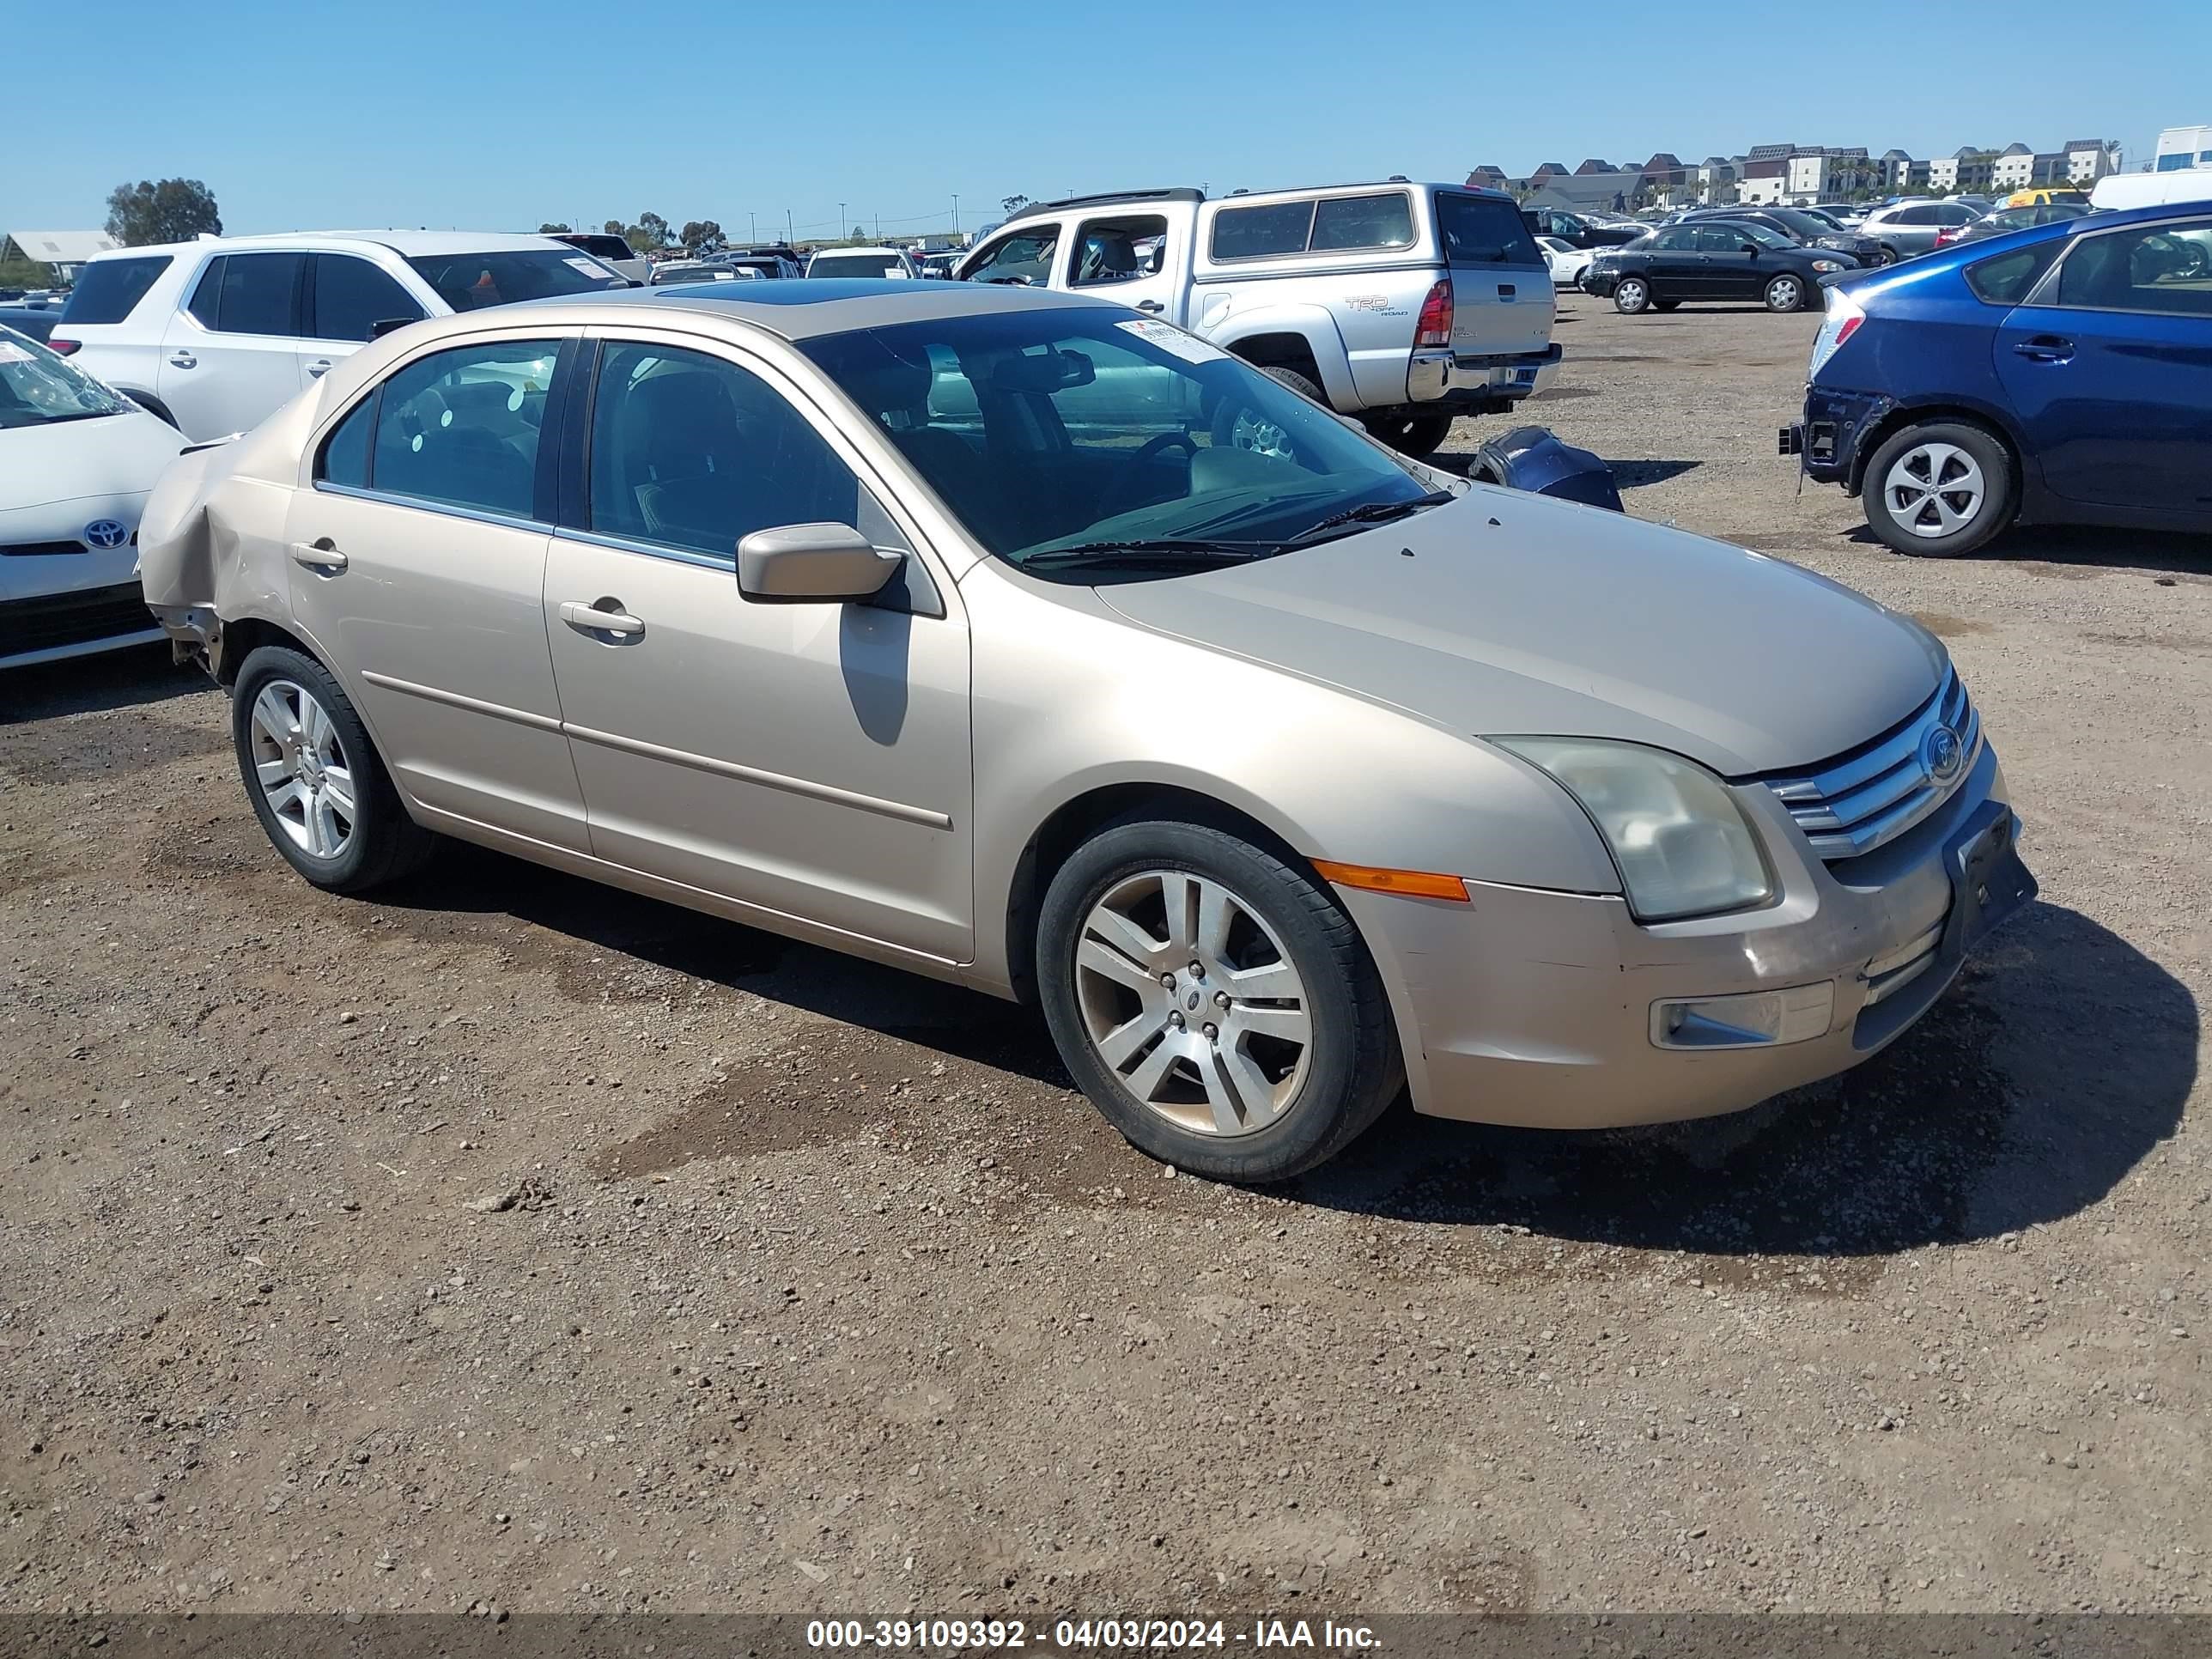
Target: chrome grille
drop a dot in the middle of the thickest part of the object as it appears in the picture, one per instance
(1855, 806)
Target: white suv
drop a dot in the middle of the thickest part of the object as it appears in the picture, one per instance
(214, 335)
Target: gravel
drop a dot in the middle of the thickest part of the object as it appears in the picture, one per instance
(341, 1275)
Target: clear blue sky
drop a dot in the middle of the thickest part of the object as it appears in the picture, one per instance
(496, 114)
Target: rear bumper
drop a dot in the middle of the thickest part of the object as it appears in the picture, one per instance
(1829, 438)
(1476, 383)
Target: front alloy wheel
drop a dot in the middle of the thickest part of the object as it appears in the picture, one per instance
(1188, 997)
(1784, 293)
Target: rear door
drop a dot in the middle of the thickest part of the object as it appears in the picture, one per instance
(231, 356)
(2110, 370)
(1502, 301)
(1725, 270)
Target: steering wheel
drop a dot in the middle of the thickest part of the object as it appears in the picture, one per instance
(1138, 458)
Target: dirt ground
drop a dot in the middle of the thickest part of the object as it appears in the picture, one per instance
(510, 1241)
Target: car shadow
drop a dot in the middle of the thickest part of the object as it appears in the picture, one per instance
(78, 685)
(2088, 549)
(2061, 1057)
(1635, 475)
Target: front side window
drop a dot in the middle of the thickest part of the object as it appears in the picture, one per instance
(2156, 268)
(460, 427)
(1118, 250)
(691, 452)
(1084, 434)
(352, 296)
(1024, 258)
(469, 282)
(260, 293)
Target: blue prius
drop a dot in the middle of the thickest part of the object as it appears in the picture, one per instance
(2060, 374)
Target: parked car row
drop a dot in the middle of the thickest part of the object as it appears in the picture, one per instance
(1719, 258)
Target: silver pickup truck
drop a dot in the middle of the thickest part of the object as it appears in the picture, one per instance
(1404, 305)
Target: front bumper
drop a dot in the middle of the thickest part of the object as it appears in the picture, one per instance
(1828, 439)
(1476, 384)
(49, 627)
(1548, 1009)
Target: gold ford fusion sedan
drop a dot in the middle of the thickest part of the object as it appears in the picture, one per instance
(1032, 643)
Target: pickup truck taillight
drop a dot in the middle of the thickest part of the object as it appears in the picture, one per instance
(61, 346)
(1436, 324)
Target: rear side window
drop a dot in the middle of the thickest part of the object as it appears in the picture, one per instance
(345, 452)
(2005, 280)
(260, 293)
(207, 294)
(107, 291)
(1353, 222)
(460, 427)
(1254, 233)
(1482, 230)
(352, 296)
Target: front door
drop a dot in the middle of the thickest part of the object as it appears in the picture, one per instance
(418, 569)
(231, 357)
(811, 759)
(2110, 370)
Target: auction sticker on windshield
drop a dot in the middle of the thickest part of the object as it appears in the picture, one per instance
(1170, 338)
(12, 353)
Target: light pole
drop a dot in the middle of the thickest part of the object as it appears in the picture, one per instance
(752, 231)
(956, 213)
(841, 222)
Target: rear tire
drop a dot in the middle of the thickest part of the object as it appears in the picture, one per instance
(315, 779)
(1631, 296)
(1275, 1047)
(1939, 488)
(1786, 293)
(1238, 425)
(1885, 255)
(1417, 435)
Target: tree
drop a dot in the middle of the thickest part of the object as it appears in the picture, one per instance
(702, 236)
(552, 230)
(651, 231)
(615, 227)
(1014, 204)
(172, 211)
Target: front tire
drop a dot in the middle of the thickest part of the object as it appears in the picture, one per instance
(316, 782)
(1939, 488)
(1417, 435)
(1885, 255)
(1213, 1001)
(1786, 293)
(1631, 296)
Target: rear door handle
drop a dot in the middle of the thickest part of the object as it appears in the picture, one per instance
(319, 367)
(320, 556)
(607, 618)
(184, 359)
(2045, 348)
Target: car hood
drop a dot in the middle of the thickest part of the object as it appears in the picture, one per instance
(1508, 614)
(44, 468)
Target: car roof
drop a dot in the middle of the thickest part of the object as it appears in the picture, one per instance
(408, 244)
(804, 309)
(861, 252)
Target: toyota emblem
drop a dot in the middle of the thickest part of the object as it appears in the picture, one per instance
(107, 532)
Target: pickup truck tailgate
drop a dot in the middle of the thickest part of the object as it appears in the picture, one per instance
(1502, 300)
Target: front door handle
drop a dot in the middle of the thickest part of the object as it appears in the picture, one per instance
(321, 556)
(1150, 305)
(319, 367)
(2045, 348)
(607, 617)
(184, 359)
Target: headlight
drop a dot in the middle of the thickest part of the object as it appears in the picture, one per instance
(1681, 844)
(1827, 265)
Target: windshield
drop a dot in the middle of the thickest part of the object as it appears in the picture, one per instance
(469, 282)
(1756, 232)
(856, 264)
(38, 387)
(1094, 430)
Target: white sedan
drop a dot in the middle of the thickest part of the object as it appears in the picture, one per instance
(1568, 262)
(76, 461)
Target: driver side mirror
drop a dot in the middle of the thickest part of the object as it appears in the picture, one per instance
(812, 564)
(384, 325)
(1751, 248)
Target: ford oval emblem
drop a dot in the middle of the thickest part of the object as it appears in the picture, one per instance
(107, 532)
(1942, 756)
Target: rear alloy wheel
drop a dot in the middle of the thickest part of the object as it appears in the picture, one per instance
(1417, 435)
(321, 794)
(1240, 426)
(1785, 293)
(1215, 1003)
(1938, 489)
(1632, 295)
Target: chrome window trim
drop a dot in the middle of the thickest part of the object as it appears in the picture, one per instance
(651, 550)
(392, 498)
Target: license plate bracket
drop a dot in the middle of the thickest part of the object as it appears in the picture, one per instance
(1990, 883)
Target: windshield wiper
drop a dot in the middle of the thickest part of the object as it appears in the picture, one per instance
(1369, 513)
(1182, 551)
